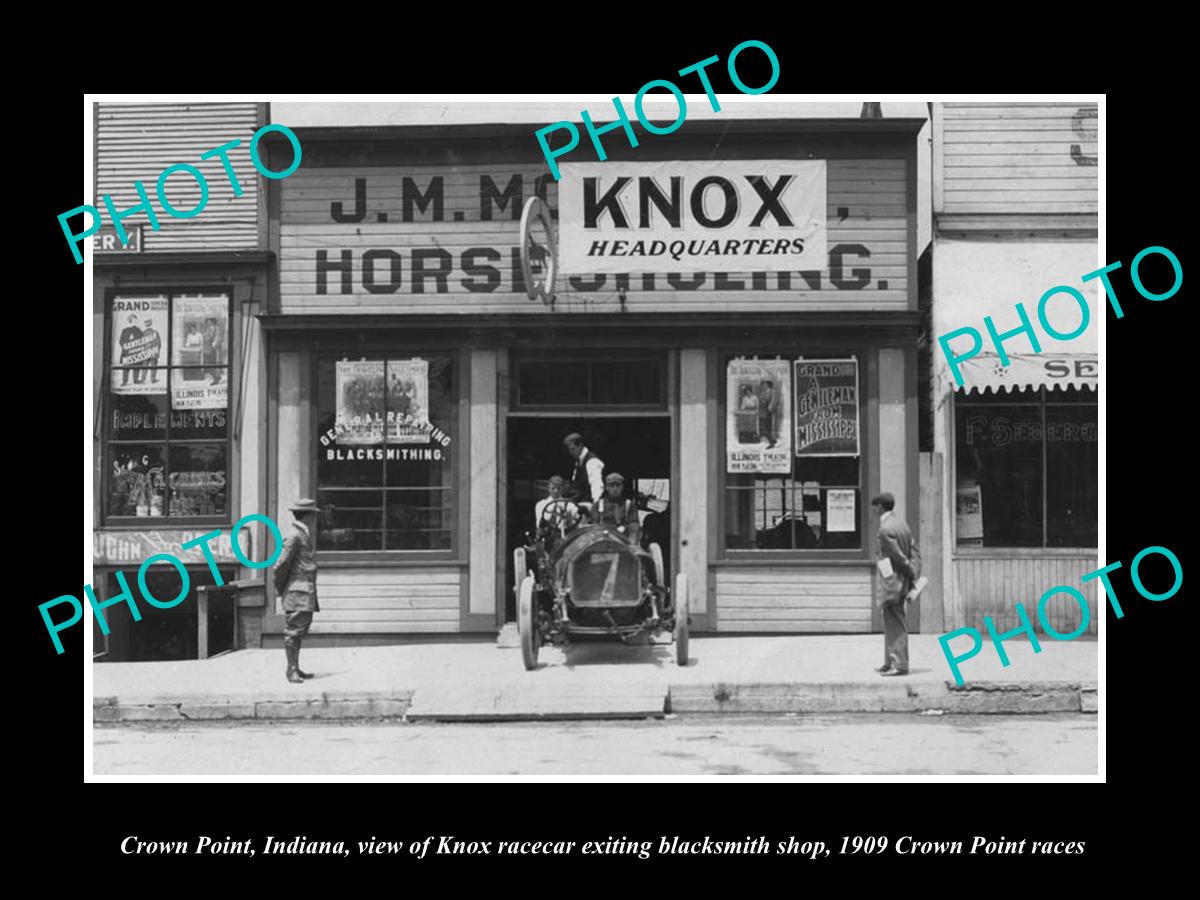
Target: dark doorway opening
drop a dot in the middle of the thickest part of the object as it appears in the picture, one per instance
(637, 446)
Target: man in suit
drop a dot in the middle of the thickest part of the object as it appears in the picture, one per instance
(768, 413)
(296, 568)
(896, 544)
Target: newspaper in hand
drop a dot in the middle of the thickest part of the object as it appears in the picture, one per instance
(885, 567)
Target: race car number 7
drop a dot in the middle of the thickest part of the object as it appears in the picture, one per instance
(610, 580)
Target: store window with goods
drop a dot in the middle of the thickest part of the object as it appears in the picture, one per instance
(794, 453)
(1027, 468)
(166, 421)
(385, 460)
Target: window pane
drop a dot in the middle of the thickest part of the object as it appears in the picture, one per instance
(350, 451)
(351, 520)
(418, 520)
(546, 383)
(386, 423)
(627, 383)
(139, 416)
(785, 514)
(200, 330)
(136, 484)
(1072, 476)
(197, 479)
(999, 461)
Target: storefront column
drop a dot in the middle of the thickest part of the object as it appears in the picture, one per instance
(289, 447)
(893, 442)
(692, 490)
(484, 533)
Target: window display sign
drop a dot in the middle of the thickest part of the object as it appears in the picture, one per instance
(139, 329)
(827, 407)
(362, 397)
(200, 341)
(970, 516)
(758, 428)
(840, 504)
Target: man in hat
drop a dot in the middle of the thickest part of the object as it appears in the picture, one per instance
(897, 546)
(296, 579)
(768, 413)
(587, 478)
(614, 509)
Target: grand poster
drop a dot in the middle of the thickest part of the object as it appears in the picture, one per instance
(693, 215)
(827, 407)
(758, 416)
(200, 342)
(377, 399)
(139, 336)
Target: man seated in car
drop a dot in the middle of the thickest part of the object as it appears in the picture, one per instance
(614, 509)
(554, 515)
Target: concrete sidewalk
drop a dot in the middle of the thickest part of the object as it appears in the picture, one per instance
(480, 681)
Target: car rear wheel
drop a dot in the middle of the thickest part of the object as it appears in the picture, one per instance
(656, 555)
(527, 625)
(681, 619)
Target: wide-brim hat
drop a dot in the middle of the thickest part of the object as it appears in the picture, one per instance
(305, 505)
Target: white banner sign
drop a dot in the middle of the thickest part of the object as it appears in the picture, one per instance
(693, 216)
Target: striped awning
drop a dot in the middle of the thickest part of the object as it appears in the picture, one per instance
(985, 374)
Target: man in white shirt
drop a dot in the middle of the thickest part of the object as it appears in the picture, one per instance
(570, 510)
(587, 478)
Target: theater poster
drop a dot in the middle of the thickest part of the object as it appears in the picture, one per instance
(139, 345)
(758, 424)
(375, 398)
(827, 407)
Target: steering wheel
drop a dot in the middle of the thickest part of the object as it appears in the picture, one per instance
(561, 515)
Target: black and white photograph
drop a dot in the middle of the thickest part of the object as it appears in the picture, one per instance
(429, 442)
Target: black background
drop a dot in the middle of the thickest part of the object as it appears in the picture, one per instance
(1150, 489)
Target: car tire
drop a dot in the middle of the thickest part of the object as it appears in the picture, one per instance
(520, 570)
(681, 620)
(527, 624)
(656, 555)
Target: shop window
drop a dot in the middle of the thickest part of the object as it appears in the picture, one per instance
(793, 473)
(385, 472)
(167, 415)
(1027, 469)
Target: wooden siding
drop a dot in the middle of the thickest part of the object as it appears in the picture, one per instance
(868, 240)
(1016, 158)
(387, 600)
(136, 141)
(793, 599)
(990, 586)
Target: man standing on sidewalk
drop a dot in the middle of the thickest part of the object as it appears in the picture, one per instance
(899, 568)
(296, 580)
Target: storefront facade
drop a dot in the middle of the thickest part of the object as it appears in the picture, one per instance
(417, 393)
(176, 374)
(1015, 214)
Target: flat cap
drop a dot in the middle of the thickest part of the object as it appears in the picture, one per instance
(573, 438)
(614, 478)
(886, 500)
(557, 480)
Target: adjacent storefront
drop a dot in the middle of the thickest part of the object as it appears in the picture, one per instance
(176, 364)
(734, 330)
(1018, 443)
